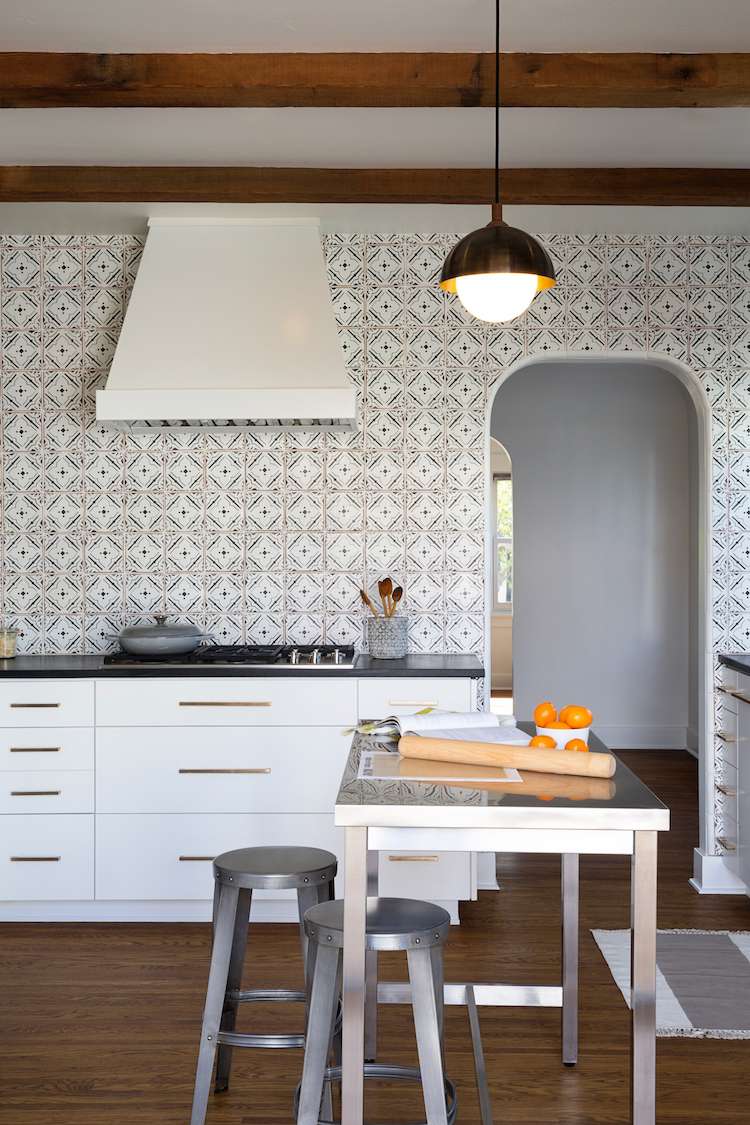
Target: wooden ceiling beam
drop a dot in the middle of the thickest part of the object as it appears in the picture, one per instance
(654, 187)
(39, 80)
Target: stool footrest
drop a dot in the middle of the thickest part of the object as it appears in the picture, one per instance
(266, 995)
(246, 1039)
(389, 1072)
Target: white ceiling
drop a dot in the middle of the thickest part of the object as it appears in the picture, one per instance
(361, 25)
(376, 137)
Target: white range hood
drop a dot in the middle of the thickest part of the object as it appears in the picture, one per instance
(230, 324)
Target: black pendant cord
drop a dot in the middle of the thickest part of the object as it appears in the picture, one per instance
(496, 208)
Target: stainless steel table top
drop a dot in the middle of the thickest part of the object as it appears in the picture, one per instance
(540, 801)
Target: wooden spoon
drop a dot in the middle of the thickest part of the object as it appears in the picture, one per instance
(398, 594)
(366, 600)
(388, 590)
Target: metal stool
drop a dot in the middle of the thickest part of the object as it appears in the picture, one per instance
(419, 928)
(309, 871)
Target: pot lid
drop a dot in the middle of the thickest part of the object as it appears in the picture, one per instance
(160, 628)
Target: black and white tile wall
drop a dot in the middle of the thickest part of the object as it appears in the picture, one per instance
(265, 536)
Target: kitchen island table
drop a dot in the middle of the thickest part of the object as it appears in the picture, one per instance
(620, 817)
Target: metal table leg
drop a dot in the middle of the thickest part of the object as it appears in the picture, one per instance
(371, 970)
(643, 977)
(355, 907)
(570, 866)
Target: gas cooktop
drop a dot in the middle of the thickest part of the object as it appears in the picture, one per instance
(259, 656)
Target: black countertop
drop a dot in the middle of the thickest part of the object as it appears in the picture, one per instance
(740, 661)
(83, 667)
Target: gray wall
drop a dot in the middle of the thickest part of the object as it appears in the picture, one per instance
(602, 528)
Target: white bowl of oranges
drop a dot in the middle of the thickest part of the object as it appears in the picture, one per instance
(566, 730)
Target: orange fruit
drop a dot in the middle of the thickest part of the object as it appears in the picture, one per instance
(577, 744)
(544, 714)
(543, 741)
(577, 717)
(557, 725)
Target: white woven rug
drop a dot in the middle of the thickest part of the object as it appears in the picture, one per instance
(702, 980)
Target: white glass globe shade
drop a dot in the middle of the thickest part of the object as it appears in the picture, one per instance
(496, 297)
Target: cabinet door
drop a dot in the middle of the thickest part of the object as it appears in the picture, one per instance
(743, 790)
(403, 696)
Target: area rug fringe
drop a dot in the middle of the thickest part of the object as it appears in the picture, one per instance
(699, 1032)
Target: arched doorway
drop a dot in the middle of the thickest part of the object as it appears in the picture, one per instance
(699, 625)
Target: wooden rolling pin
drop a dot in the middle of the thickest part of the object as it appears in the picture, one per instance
(543, 785)
(506, 754)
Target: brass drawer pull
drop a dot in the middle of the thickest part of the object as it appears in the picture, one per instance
(34, 705)
(737, 695)
(196, 858)
(727, 790)
(35, 792)
(224, 703)
(260, 769)
(412, 859)
(35, 858)
(35, 749)
(724, 737)
(729, 845)
(412, 703)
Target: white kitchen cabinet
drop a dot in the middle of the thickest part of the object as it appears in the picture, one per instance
(46, 748)
(145, 856)
(46, 858)
(50, 791)
(239, 769)
(145, 780)
(217, 702)
(46, 703)
(401, 696)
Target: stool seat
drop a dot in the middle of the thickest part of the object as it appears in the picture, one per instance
(392, 923)
(275, 869)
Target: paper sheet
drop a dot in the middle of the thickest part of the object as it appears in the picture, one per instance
(384, 765)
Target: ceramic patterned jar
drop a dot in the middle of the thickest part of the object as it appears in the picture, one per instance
(388, 637)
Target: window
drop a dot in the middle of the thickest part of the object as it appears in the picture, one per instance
(503, 546)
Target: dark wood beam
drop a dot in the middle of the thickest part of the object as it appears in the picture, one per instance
(656, 187)
(417, 79)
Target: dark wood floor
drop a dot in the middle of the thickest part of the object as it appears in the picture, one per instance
(98, 1023)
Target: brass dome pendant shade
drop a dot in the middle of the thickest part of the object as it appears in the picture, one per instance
(497, 270)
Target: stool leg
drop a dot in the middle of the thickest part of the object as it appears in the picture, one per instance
(234, 983)
(318, 1039)
(306, 897)
(436, 962)
(428, 1038)
(217, 985)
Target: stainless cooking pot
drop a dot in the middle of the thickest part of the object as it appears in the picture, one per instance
(160, 639)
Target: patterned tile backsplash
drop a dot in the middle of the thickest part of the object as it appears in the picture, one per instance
(261, 536)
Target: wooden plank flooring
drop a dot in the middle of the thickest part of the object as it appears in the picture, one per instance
(99, 1023)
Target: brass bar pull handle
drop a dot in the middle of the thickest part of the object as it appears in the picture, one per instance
(737, 695)
(35, 749)
(196, 858)
(412, 859)
(412, 703)
(35, 858)
(35, 792)
(724, 737)
(727, 790)
(18, 706)
(259, 769)
(224, 703)
(729, 845)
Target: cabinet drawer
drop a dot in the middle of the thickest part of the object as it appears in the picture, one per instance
(250, 701)
(232, 770)
(378, 698)
(430, 875)
(48, 791)
(169, 857)
(46, 703)
(47, 748)
(46, 858)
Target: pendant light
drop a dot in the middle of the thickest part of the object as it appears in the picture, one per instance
(497, 270)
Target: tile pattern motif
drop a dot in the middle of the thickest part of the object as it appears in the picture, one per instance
(263, 537)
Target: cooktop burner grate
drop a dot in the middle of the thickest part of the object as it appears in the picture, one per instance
(267, 656)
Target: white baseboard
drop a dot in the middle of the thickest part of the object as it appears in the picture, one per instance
(716, 875)
(692, 741)
(642, 737)
(263, 910)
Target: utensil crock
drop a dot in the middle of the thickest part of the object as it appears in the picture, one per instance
(388, 637)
